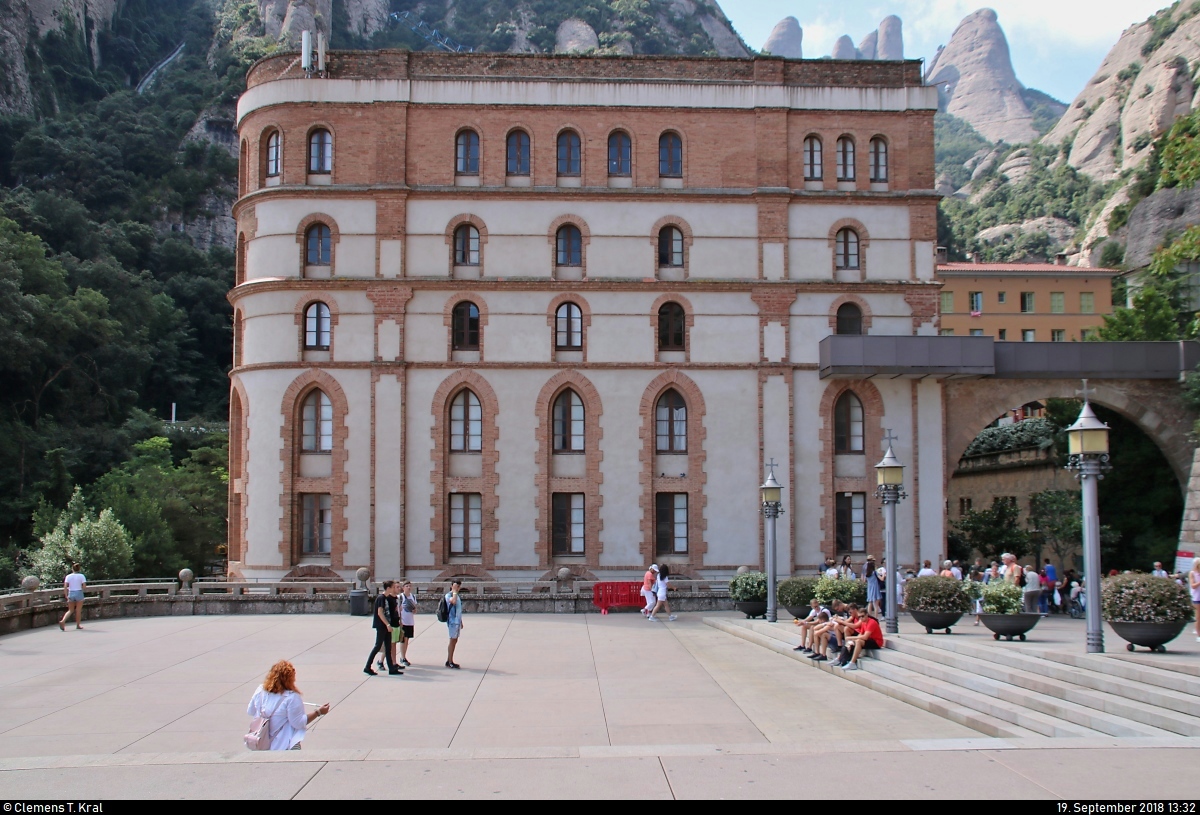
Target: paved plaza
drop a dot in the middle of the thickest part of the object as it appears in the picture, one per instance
(545, 706)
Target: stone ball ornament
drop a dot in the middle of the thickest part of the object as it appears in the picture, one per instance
(363, 574)
(30, 583)
(564, 573)
(743, 569)
(186, 576)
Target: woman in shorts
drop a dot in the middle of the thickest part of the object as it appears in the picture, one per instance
(660, 591)
(1194, 584)
(73, 586)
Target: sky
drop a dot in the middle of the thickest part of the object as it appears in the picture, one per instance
(1056, 45)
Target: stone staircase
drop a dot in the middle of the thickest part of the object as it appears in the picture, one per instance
(1013, 692)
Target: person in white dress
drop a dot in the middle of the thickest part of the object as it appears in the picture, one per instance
(278, 699)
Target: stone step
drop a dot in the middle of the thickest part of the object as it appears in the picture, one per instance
(1089, 709)
(1181, 677)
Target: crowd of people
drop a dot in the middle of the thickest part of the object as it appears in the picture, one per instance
(844, 629)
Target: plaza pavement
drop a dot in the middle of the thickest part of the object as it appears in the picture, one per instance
(545, 706)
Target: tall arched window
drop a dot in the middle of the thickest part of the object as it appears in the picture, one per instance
(813, 168)
(464, 330)
(518, 153)
(319, 245)
(620, 154)
(466, 153)
(568, 244)
(568, 327)
(845, 157)
(568, 423)
(320, 152)
(274, 154)
(672, 328)
(848, 424)
(670, 423)
(670, 155)
(466, 423)
(316, 423)
(316, 327)
(670, 246)
(879, 160)
(570, 153)
(849, 319)
(845, 249)
(466, 246)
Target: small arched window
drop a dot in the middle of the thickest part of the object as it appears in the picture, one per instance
(848, 424)
(274, 154)
(845, 156)
(466, 153)
(316, 327)
(318, 245)
(814, 170)
(316, 423)
(670, 155)
(670, 423)
(568, 423)
(466, 246)
(464, 327)
(518, 153)
(879, 160)
(620, 154)
(672, 328)
(670, 246)
(849, 319)
(570, 154)
(845, 249)
(466, 423)
(568, 327)
(568, 245)
(320, 152)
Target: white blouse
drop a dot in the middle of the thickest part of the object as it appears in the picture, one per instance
(288, 719)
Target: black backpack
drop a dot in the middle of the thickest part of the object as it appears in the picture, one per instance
(443, 610)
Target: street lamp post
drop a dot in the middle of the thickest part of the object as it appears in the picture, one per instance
(1087, 447)
(772, 508)
(890, 478)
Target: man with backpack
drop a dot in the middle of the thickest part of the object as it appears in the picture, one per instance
(449, 611)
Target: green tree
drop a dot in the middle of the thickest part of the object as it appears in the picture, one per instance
(99, 544)
(993, 531)
(1152, 317)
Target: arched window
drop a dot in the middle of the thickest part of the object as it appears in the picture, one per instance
(670, 155)
(620, 154)
(320, 152)
(316, 327)
(466, 153)
(672, 327)
(570, 154)
(466, 423)
(568, 423)
(848, 424)
(670, 423)
(813, 168)
(670, 246)
(849, 319)
(319, 244)
(568, 244)
(274, 154)
(568, 327)
(845, 249)
(464, 330)
(316, 423)
(518, 153)
(466, 246)
(879, 160)
(845, 157)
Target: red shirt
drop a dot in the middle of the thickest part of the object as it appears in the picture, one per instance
(870, 627)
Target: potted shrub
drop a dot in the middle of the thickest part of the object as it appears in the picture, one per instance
(749, 594)
(1145, 610)
(936, 602)
(795, 594)
(848, 591)
(1002, 611)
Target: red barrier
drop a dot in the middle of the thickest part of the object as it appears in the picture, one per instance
(614, 595)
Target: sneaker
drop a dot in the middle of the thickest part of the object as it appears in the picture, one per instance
(379, 665)
(837, 663)
(812, 655)
(673, 618)
(820, 658)
(800, 648)
(652, 619)
(405, 663)
(367, 670)
(850, 666)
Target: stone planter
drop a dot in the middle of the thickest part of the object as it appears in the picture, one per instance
(1154, 636)
(1010, 625)
(935, 620)
(751, 608)
(799, 612)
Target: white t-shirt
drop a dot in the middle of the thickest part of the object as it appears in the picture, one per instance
(74, 581)
(957, 572)
(406, 616)
(927, 572)
(660, 588)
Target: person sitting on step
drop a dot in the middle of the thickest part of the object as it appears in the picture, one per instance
(869, 638)
(808, 624)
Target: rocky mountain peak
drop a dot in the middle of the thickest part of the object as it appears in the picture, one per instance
(786, 39)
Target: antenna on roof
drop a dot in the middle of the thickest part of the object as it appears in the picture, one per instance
(306, 51)
(321, 52)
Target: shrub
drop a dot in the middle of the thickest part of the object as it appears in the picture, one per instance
(848, 591)
(936, 594)
(750, 587)
(1142, 598)
(1002, 597)
(796, 591)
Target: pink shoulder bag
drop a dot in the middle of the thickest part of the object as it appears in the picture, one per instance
(258, 737)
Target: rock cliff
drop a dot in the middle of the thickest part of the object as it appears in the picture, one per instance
(575, 37)
(286, 20)
(786, 40)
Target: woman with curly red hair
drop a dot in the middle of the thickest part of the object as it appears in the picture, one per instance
(278, 700)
